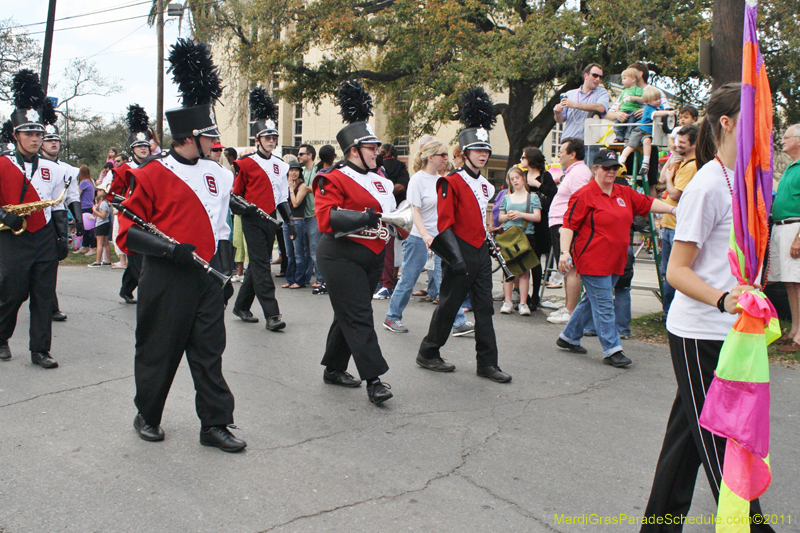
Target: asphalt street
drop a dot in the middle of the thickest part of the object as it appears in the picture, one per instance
(450, 452)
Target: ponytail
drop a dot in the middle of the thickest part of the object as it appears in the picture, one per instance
(429, 149)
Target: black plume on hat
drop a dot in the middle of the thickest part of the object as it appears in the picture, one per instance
(262, 106)
(193, 70)
(354, 102)
(49, 116)
(476, 109)
(137, 119)
(7, 132)
(27, 89)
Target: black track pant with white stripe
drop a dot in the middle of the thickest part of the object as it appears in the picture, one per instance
(687, 445)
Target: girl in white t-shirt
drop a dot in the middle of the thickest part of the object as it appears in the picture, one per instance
(701, 315)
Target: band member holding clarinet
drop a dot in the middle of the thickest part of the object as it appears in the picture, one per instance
(181, 308)
(262, 183)
(348, 200)
(29, 186)
(462, 244)
(139, 144)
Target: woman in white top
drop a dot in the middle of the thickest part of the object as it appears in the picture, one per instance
(428, 162)
(701, 314)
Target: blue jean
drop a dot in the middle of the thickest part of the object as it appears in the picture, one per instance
(596, 306)
(312, 236)
(667, 238)
(296, 253)
(622, 312)
(415, 255)
(461, 318)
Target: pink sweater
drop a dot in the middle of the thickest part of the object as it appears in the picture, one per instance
(575, 177)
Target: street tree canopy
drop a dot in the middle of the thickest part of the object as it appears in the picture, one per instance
(417, 55)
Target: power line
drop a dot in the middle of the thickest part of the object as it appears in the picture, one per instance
(83, 15)
(90, 25)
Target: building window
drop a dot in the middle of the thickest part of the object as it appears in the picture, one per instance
(298, 125)
(555, 141)
(401, 145)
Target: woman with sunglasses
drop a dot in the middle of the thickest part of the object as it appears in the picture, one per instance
(428, 163)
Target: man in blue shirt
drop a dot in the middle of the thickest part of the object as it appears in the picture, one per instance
(577, 105)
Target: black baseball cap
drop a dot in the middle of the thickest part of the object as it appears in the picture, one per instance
(606, 158)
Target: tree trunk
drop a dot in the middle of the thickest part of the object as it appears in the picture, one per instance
(727, 33)
(517, 118)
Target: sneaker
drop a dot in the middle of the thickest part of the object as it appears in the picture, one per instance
(524, 310)
(549, 303)
(507, 307)
(617, 359)
(395, 325)
(322, 289)
(105, 264)
(498, 296)
(561, 318)
(557, 312)
(382, 294)
(643, 172)
(236, 278)
(515, 296)
(464, 329)
(95, 265)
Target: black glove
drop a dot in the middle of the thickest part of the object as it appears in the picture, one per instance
(11, 220)
(251, 211)
(60, 220)
(286, 215)
(445, 245)
(62, 248)
(227, 292)
(77, 214)
(373, 218)
(182, 255)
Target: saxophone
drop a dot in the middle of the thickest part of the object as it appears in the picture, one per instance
(23, 210)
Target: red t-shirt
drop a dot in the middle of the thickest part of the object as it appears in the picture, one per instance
(602, 226)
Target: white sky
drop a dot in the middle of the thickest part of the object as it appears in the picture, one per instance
(122, 50)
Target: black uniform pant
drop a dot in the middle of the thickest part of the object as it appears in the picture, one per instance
(130, 278)
(28, 266)
(180, 311)
(686, 444)
(477, 282)
(259, 234)
(351, 272)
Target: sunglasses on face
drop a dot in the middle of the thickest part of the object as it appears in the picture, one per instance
(598, 76)
(216, 149)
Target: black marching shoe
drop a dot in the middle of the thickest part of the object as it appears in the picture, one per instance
(148, 432)
(220, 437)
(378, 392)
(322, 289)
(246, 316)
(494, 373)
(338, 377)
(43, 359)
(58, 316)
(274, 323)
(574, 348)
(617, 359)
(127, 299)
(5, 352)
(437, 364)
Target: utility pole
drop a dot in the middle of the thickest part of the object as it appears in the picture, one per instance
(48, 45)
(160, 79)
(726, 53)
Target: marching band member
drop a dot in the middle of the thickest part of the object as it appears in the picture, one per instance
(262, 182)
(139, 143)
(348, 198)
(51, 146)
(29, 251)
(461, 243)
(181, 308)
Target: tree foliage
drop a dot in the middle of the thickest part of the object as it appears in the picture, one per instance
(17, 51)
(417, 55)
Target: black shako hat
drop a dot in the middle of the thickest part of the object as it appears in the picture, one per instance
(7, 145)
(50, 118)
(29, 99)
(199, 84)
(355, 106)
(265, 113)
(137, 126)
(476, 111)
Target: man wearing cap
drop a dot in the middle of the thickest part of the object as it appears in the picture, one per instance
(181, 308)
(139, 144)
(262, 181)
(463, 247)
(594, 240)
(28, 244)
(51, 146)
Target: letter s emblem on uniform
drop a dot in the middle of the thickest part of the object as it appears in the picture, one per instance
(485, 190)
(211, 184)
(378, 185)
(276, 169)
(46, 174)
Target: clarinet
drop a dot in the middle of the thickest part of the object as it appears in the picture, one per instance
(264, 214)
(218, 276)
(497, 254)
